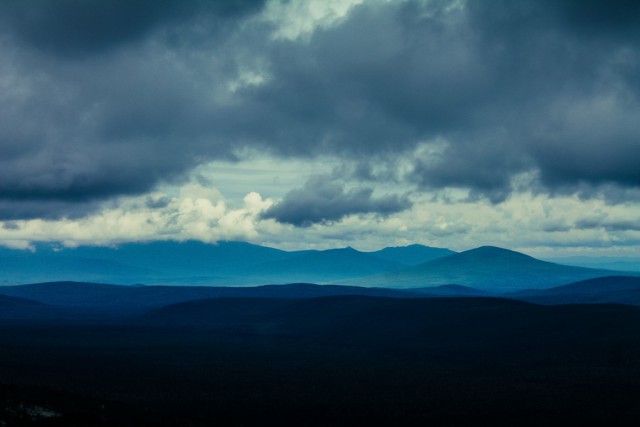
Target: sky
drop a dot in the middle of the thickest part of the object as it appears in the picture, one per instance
(322, 123)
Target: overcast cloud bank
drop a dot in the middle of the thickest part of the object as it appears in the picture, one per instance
(410, 101)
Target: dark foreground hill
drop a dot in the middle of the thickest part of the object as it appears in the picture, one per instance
(14, 309)
(611, 289)
(130, 299)
(487, 268)
(345, 360)
(13, 302)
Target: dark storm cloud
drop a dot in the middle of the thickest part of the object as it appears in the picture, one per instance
(484, 166)
(10, 225)
(43, 209)
(510, 87)
(157, 202)
(569, 71)
(322, 200)
(608, 19)
(559, 227)
(86, 27)
(105, 121)
(608, 224)
(101, 98)
(359, 91)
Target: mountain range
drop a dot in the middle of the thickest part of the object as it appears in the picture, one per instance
(607, 262)
(611, 289)
(197, 263)
(77, 300)
(486, 269)
(406, 335)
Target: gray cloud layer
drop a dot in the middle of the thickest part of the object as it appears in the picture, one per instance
(77, 28)
(321, 200)
(101, 99)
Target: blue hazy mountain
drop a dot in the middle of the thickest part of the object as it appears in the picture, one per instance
(190, 258)
(155, 262)
(244, 264)
(411, 254)
(611, 289)
(322, 266)
(197, 263)
(23, 267)
(609, 263)
(487, 268)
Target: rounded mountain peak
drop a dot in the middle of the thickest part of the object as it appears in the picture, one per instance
(493, 253)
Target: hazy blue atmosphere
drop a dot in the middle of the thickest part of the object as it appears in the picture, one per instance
(323, 124)
(319, 213)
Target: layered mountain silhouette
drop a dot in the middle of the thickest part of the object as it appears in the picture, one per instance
(612, 289)
(327, 265)
(22, 309)
(197, 263)
(467, 330)
(412, 254)
(609, 263)
(487, 268)
(129, 299)
(84, 299)
(7, 302)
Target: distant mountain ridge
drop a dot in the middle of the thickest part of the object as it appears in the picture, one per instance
(609, 263)
(412, 254)
(91, 302)
(486, 268)
(197, 263)
(327, 265)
